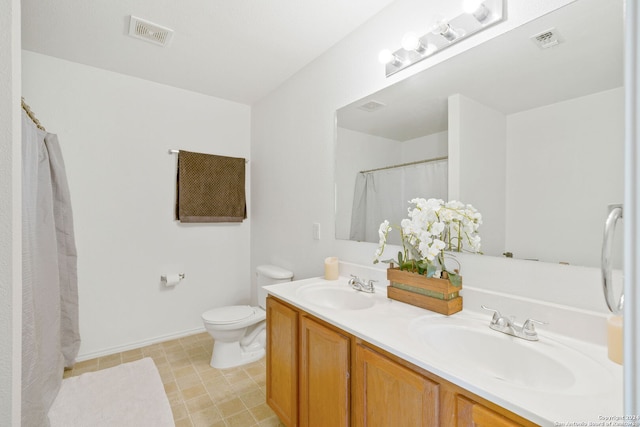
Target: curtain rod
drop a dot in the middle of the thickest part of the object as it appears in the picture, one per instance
(406, 164)
(172, 151)
(31, 115)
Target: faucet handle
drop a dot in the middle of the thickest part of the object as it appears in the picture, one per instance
(529, 329)
(496, 314)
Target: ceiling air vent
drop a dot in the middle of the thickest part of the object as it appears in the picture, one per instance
(371, 106)
(547, 39)
(145, 30)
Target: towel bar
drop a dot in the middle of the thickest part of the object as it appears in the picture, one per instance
(172, 151)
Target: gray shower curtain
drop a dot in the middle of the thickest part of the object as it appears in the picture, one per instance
(384, 195)
(50, 333)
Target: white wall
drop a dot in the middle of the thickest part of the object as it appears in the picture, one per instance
(580, 144)
(10, 215)
(425, 147)
(293, 133)
(547, 176)
(477, 173)
(115, 131)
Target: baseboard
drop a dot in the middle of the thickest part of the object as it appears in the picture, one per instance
(132, 346)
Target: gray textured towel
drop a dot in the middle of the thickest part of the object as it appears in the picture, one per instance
(210, 188)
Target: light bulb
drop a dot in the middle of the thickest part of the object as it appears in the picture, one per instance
(476, 8)
(410, 41)
(445, 30)
(385, 56)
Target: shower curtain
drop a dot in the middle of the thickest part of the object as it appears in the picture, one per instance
(384, 195)
(50, 334)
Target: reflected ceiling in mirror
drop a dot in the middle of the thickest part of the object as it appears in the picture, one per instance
(570, 90)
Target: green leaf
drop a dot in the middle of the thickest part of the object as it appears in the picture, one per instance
(455, 279)
(422, 267)
(400, 259)
(431, 270)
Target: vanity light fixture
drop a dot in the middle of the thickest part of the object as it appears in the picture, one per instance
(386, 57)
(477, 15)
(445, 30)
(411, 41)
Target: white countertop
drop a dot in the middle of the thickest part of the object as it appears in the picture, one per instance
(593, 398)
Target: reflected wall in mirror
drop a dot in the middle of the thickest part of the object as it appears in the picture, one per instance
(533, 135)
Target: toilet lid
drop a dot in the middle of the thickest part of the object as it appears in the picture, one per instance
(230, 314)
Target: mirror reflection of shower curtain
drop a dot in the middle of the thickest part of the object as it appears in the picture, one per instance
(384, 195)
(50, 335)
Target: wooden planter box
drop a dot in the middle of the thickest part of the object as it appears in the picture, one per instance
(437, 295)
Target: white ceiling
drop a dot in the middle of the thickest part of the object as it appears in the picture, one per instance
(238, 50)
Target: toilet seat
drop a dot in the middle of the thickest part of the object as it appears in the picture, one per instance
(234, 315)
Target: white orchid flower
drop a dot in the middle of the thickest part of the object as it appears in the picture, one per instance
(432, 227)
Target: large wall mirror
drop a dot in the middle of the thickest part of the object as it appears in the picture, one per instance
(527, 127)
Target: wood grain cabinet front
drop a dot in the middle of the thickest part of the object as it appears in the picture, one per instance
(470, 413)
(282, 361)
(324, 376)
(309, 381)
(389, 394)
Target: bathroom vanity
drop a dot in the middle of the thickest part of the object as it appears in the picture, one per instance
(340, 357)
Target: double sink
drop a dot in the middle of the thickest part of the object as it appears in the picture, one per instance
(465, 343)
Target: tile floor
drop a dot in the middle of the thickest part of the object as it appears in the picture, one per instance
(199, 394)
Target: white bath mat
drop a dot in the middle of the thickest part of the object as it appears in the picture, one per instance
(127, 395)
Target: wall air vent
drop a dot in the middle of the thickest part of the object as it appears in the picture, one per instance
(371, 106)
(148, 31)
(547, 39)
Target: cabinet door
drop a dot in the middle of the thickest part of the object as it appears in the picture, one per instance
(474, 414)
(282, 361)
(324, 376)
(389, 394)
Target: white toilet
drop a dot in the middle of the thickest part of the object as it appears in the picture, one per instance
(238, 331)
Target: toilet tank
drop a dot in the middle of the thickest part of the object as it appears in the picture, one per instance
(270, 275)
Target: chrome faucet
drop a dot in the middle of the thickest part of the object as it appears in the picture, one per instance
(507, 326)
(360, 285)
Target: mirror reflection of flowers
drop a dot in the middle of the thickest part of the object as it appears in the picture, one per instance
(432, 228)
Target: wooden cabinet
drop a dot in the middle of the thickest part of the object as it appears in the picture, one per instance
(470, 413)
(309, 384)
(324, 375)
(282, 361)
(308, 369)
(388, 394)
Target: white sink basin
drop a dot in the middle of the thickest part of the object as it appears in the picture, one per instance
(467, 344)
(338, 296)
